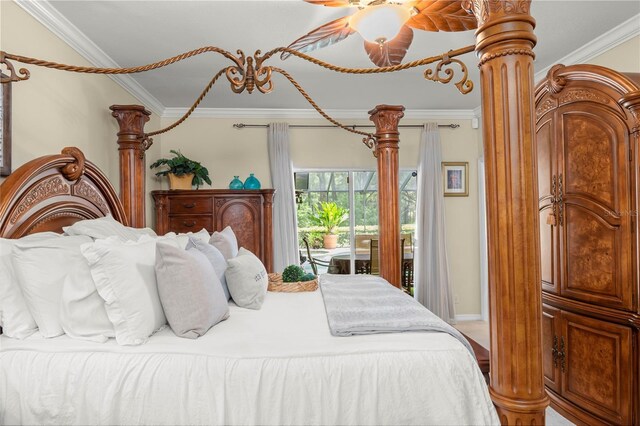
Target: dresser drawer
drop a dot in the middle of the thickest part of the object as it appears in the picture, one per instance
(190, 223)
(190, 205)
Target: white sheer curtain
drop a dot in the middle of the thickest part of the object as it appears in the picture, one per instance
(431, 269)
(285, 236)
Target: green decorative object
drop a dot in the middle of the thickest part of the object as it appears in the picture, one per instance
(236, 183)
(252, 182)
(180, 165)
(292, 274)
(308, 277)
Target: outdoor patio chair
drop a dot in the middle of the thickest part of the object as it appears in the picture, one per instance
(314, 262)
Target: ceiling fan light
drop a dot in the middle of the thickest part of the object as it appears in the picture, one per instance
(380, 23)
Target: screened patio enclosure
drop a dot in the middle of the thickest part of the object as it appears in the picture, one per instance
(357, 193)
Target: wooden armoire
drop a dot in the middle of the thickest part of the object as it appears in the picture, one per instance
(587, 134)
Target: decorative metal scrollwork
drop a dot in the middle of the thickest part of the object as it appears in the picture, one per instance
(370, 142)
(562, 354)
(559, 201)
(245, 75)
(464, 85)
(250, 73)
(9, 75)
(554, 351)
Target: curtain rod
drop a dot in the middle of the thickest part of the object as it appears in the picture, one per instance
(352, 126)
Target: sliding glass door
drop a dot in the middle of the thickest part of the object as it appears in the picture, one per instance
(352, 196)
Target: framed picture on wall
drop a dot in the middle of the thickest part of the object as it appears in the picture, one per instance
(455, 178)
(5, 128)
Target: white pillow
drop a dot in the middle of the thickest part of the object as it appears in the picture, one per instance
(106, 227)
(82, 311)
(190, 291)
(183, 239)
(216, 259)
(42, 267)
(15, 319)
(124, 274)
(226, 242)
(247, 280)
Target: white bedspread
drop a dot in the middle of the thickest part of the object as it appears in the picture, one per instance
(279, 365)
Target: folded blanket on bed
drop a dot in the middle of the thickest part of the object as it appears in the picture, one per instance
(363, 304)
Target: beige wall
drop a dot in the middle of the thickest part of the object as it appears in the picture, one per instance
(226, 152)
(624, 58)
(55, 109)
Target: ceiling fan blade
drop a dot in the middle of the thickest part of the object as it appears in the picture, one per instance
(326, 35)
(441, 15)
(330, 3)
(392, 52)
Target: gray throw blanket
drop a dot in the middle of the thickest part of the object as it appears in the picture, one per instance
(363, 304)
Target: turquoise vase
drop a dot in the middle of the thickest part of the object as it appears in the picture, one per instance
(251, 182)
(236, 183)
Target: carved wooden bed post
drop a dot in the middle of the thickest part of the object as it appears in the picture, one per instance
(132, 146)
(504, 43)
(386, 119)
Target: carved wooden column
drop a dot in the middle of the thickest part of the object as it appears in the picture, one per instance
(504, 43)
(386, 119)
(267, 207)
(131, 145)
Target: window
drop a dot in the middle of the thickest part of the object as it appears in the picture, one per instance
(359, 199)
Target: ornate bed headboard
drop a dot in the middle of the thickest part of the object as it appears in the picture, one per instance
(53, 191)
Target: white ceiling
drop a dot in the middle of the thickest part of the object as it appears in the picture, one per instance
(139, 32)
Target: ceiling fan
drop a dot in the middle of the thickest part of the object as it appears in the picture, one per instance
(386, 25)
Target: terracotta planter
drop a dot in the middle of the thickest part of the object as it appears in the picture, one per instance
(330, 241)
(180, 182)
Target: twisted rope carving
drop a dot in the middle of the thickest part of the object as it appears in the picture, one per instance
(193, 107)
(131, 70)
(379, 70)
(245, 75)
(368, 139)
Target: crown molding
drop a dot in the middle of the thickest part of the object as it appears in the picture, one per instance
(257, 113)
(612, 38)
(55, 22)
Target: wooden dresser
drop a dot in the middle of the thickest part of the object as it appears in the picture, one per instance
(247, 212)
(587, 163)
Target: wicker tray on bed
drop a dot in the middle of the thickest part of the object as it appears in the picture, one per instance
(276, 284)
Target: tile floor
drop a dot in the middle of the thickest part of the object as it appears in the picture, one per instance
(479, 331)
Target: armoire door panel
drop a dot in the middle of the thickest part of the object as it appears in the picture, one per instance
(597, 373)
(597, 259)
(243, 216)
(550, 341)
(545, 149)
(595, 152)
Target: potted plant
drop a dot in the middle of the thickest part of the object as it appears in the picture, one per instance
(183, 173)
(330, 216)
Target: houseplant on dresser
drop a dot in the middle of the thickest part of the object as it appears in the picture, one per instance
(183, 173)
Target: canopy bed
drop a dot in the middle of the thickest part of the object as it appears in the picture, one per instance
(277, 365)
(504, 45)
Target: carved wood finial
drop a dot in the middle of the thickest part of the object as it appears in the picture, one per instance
(386, 119)
(555, 83)
(631, 101)
(132, 144)
(73, 171)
